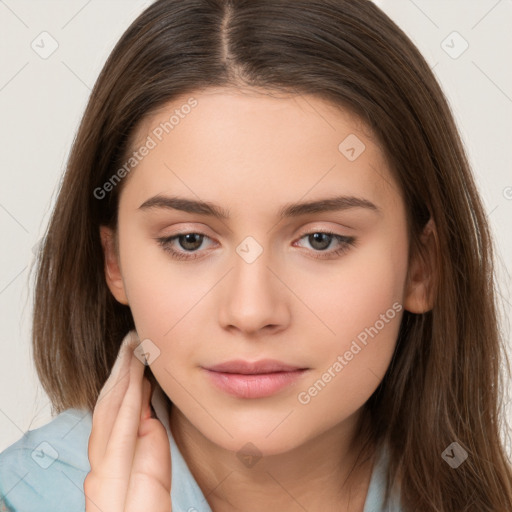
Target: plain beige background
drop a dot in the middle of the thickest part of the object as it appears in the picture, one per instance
(42, 96)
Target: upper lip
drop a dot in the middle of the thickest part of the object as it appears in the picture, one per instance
(255, 367)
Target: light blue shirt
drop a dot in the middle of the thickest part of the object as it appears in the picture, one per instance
(44, 471)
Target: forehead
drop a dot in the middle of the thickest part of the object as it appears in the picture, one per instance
(238, 143)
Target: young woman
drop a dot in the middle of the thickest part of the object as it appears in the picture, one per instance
(267, 283)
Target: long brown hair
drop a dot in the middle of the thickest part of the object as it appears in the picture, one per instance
(444, 383)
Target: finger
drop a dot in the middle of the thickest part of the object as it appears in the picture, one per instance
(146, 404)
(110, 399)
(150, 482)
(150, 479)
(128, 344)
(121, 444)
(110, 476)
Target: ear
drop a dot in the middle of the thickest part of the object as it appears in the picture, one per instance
(113, 274)
(421, 275)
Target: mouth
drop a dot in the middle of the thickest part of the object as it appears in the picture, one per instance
(262, 366)
(258, 379)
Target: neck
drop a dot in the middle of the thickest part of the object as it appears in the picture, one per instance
(322, 474)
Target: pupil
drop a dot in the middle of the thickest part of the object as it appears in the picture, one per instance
(317, 237)
(189, 239)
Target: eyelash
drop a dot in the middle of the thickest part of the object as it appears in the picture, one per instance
(346, 243)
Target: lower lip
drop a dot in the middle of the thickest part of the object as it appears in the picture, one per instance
(254, 386)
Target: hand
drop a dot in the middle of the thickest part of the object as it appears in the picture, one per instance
(129, 451)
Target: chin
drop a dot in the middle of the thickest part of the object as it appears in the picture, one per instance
(257, 441)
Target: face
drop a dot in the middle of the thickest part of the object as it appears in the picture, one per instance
(319, 289)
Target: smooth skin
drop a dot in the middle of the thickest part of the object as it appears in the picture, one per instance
(302, 304)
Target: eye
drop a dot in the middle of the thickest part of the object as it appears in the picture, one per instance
(190, 242)
(320, 241)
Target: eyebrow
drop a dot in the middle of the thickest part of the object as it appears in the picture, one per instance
(337, 203)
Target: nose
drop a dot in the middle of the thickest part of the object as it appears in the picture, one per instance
(253, 298)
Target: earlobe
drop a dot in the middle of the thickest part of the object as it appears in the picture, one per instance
(420, 283)
(113, 274)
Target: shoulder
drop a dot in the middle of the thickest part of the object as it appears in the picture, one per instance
(45, 469)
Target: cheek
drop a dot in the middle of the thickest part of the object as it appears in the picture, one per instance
(362, 308)
(353, 294)
(159, 294)
(152, 297)
(163, 313)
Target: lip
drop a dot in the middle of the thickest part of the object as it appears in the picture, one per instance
(245, 379)
(255, 367)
